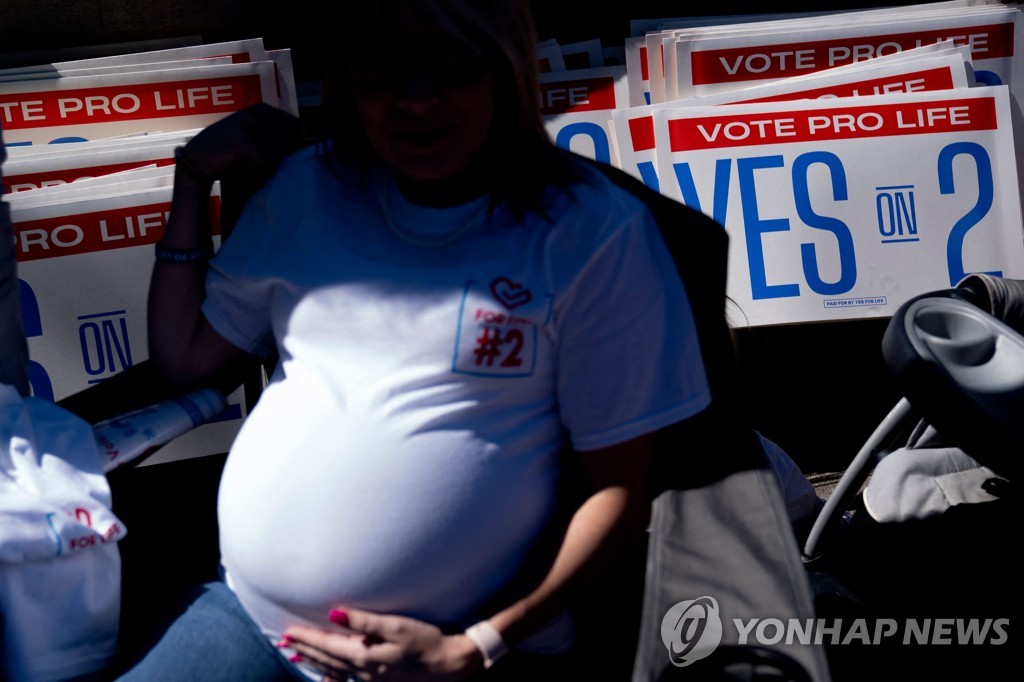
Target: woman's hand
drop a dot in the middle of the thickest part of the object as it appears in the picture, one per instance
(382, 647)
(247, 145)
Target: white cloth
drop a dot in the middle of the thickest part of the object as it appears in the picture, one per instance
(60, 571)
(924, 479)
(404, 458)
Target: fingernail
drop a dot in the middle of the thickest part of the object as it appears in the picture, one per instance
(338, 617)
(297, 658)
(283, 643)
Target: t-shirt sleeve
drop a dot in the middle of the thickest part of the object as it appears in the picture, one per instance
(238, 296)
(629, 359)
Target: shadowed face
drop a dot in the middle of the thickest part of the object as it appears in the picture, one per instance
(425, 100)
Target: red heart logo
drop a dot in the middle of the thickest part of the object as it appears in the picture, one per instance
(510, 294)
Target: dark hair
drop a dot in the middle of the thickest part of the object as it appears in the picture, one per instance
(504, 32)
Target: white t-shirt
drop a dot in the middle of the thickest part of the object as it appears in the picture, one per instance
(404, 457)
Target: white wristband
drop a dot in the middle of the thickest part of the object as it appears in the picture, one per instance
(488, 640)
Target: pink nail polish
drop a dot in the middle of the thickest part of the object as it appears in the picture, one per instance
(297, 658)
(338, 617)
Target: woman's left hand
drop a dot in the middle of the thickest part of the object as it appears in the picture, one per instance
(383, 647)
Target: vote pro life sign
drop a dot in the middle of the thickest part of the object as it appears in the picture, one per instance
(93, 107)
(846, 208)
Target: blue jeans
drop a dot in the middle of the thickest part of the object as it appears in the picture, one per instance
(212, 641)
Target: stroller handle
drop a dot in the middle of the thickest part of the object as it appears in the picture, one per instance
(1000, 297)
(962, 368)
(883, 437)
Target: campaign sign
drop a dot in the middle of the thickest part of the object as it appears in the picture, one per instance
(85, 267)
(238, 51)
(846, 208)
(711, 65)
(637, 77)
(92, 107)
(577, 106)
(34, 172)
(634, 127)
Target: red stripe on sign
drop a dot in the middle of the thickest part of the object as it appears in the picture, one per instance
(98, 231)
(641, 132)
(113, 103)
(25, 181)
(587, 94)
(236, 57)
(845, 123)
(645, 74)
(760, 62)
(918, 81)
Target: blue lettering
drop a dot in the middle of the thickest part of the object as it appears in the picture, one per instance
(754, 227)
(688, 188)
(955, 242)
(30, 317)
(801, 194)
(987, 78)
(602, 150)
(887, 228)
(101, 341)
(649, 174)
(93, 329)
(118, 344)
(38, 379)
(59, 140)
(906, 214)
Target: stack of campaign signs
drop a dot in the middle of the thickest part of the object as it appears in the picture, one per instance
(88, 178)
(856, 159)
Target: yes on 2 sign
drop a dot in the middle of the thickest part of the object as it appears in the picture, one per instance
(845, 209)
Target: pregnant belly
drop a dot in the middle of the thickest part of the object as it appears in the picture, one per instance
(426, 525)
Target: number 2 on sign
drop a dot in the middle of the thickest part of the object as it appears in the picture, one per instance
(955, 242)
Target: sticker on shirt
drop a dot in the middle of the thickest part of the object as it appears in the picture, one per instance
(497, 334)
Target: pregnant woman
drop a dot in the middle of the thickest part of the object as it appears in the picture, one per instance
(449, 300)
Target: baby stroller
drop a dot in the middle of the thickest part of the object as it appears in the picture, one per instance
(916, 539)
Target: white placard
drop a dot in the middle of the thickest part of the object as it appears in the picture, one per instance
(93, 107)
(846, 208)
(85, 267)
(239, 51)
(711, 65)
(40, 171)
(577, 106)
(634, 127)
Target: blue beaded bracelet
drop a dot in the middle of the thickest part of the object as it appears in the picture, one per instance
(166, 255)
